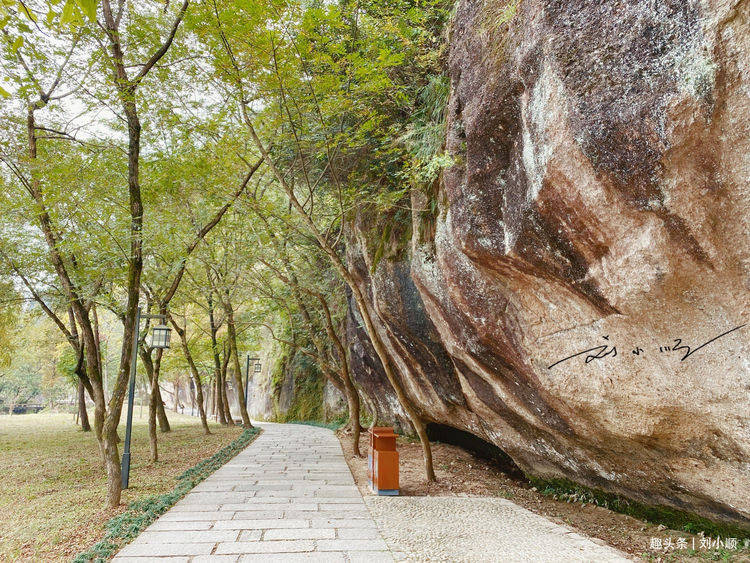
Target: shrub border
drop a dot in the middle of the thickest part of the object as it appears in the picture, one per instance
(124, 527)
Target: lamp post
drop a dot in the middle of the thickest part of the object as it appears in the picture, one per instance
(247, 373)
(160, 336)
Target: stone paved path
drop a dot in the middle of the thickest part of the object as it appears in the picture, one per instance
(289, 496)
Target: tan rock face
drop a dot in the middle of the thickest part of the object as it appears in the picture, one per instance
(600, 201)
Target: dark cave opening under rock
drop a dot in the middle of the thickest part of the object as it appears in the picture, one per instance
(477, 446)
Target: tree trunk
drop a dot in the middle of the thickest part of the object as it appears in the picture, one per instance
(225, 400)
(201, 403)
(112, 466)
(220, 392)
(350, 391)
(212, 399)
(380, 349)
(236, 372)
(126, 90)
(352, 396)
(153, 397)
(81, 313)
(218, 400)
(152, 401)
(161, 413)
(83, 415)
(176, 395)
(207, 398)
(192, 398)
(193, 373)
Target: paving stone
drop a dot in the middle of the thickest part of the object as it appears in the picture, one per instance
(151, 559)
(177, 536)
(260, 524)
(260, 502)
(357, 533)
(340, 515)
(258, 506)
(299, 534)
(223, 485)
(217, 497)
(281, 546)
(184, 516)
(179, 507)
(138, 549)
(260, 515)
(352, 545)
(262, 487)
(313, 557)
(250, 535)
(284, 494)
(339, 523)
(160, 525)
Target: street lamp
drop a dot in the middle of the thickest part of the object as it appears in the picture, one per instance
(247, 373)
(160, 337)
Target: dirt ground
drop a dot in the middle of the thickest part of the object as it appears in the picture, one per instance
(460, 473)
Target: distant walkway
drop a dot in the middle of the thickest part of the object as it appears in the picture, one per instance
(289, 496)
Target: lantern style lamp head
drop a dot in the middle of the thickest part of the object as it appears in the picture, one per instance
(160, 336)
(257, 368)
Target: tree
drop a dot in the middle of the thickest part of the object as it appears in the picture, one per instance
(337, 88)
(39, 80)
(304, 281)
(195, 376)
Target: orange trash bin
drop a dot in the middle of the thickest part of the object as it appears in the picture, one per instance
(382, 466)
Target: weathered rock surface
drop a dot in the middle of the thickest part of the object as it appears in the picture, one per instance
(599, 197)
(287, 389)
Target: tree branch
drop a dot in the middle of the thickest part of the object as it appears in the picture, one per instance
(204, 231)
(165, 46)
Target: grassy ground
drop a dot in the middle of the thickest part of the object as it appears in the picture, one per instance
(52, 485)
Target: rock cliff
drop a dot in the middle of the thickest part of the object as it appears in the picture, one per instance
(598, 202)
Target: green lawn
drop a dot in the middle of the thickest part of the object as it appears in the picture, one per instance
(52, 484)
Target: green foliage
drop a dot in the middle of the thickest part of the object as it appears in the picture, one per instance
(391, 234)
(307, 400)
(568, 491)
(9, 316)
(333, 425)
(31, 375)
(425, 133)
(125, 527)
(502, 13)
